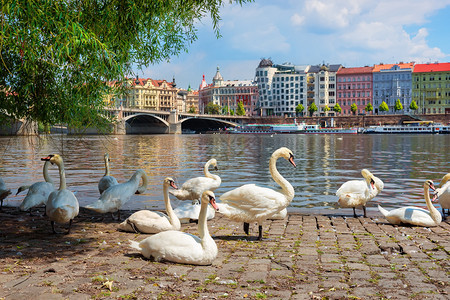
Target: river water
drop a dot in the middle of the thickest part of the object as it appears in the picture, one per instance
(324, 162)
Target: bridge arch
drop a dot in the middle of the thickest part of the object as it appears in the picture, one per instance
(202, 124)
(145, 123)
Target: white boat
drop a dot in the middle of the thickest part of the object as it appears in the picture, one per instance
(414, 127)
(316, 129)
(299, 128)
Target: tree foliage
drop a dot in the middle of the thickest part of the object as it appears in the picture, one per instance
(413, 105)
(240, 111)
(368, 107)
(56, 56)
(299, 108)
(326, 108)
(337, 108)
(354, 108)
(192, 109)
(398, 105)
(212, 109)
(383, 106)
(312, 108)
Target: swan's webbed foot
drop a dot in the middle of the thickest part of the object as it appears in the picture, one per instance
(260, 233)
(246, 227)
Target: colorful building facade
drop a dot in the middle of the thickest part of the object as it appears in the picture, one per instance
(354, 86)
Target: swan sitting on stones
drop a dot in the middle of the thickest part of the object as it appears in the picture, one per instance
(113, 198)
(181, 247)
(251, 203)
(62, 205)
(193, 188)
(38, 192)
(146, 221)
(443, 193)
(415, 215)
(107, 180)
(356, 193)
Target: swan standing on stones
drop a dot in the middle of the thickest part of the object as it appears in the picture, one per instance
(443, 193)
(107, 180)
(146, 221)
(38, 192)
(181, 247)
(415, 215)
(356, 193)
(4, 192)
(193, 188)
(251, 203)
(62, 205)
(112, 199)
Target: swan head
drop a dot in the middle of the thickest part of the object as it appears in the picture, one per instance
(209, 197)
(285, 153)
(429, 185)
(368, 176)
(106, 157)
(214, 163)
(53, 159)
(170, 182)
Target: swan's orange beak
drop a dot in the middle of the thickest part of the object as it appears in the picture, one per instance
(47, 158)
(291, 160)
(212, 201)
(173, 185)
(432, 187)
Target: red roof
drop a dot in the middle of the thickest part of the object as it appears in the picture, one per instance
(432, 67)
(356, 70)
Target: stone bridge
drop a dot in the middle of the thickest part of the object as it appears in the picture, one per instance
(141, 121)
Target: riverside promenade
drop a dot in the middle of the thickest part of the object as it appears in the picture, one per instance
(304, 256)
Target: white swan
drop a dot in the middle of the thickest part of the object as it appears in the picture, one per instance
(415, 215)
(4, 192)
(112, 199)
(356, 193)
(38, 192)
(193, 188)
(147, 221)
(251, 203)
(181, 247)
(188, 212)
(62, 205)
(107, 180)
(443, 193)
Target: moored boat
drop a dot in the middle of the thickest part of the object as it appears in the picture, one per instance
(414, 127)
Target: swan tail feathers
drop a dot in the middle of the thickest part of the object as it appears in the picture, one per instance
(383, 211)
(135, 245)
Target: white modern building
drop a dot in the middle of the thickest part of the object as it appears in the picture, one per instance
(322, 85)
(281, 88)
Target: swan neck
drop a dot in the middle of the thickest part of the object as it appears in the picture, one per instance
(45, 171)
(106, 167)
(62, 175)
(141, 174)
(203, 231)
(287, 188)
(206, 170)
(434, 213)
(169, 209)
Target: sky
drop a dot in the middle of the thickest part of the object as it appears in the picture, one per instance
(354, 33)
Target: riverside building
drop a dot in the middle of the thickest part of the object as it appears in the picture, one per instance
(354, 85)
(322, 88)
(281, 88)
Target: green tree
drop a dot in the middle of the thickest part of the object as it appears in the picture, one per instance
(56, 56)
(368, 107)
(192, 109)
(312, 109)
(240, 109)
(383, 106)
(212, 109)
(299, 109)
(225, 110)
(337, 108)
(354, 108)
(398, 105)
(413, 105)
(326, 108)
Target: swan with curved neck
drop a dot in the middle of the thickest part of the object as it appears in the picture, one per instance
(356, 193)
(112, 199)
(181, 247)
(107, 180)
(62, 205)
(4, 192)
(415, 215)
(146, 221)
(38, 192)
(443, 193)
(193, 188)
(251, 203)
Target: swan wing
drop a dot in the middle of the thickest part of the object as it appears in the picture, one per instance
(37, 195)
(187, 211)
(410, 215)
(444, 195)
(193, 188)
(62, 206)
(106, 182)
